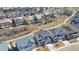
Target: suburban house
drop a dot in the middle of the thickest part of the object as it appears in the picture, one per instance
(2, 15)
(30, 20)
(49, 14)
(25, 43)
(57, 34)
(70, 32)
(17, 21)
(5, 23)
(39, 18)
(43, 37)
(75, 20)
(3, 47)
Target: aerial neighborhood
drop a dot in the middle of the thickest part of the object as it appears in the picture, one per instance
(38, 28)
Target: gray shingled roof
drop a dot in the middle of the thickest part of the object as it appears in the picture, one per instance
(3, 47)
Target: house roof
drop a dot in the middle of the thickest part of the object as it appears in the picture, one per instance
(30, 18)
(77, 25)
(76, 20)
(39, 16)
(25, 43)
(3, 47)
(56, 31)
(2, 14)
(41, 34)
(47, 12)
(74, 28)
(67, 28)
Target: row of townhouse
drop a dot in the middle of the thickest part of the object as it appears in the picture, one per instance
(27, 11)
(34, 19)
(27, 43)
(20, 11)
